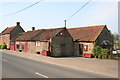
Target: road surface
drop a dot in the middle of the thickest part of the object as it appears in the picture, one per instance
(17, 67)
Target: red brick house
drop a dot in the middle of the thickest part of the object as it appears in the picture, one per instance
(10, 33)
(88, 37)
(52, 42)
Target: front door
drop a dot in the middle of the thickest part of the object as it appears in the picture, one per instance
(26, 47)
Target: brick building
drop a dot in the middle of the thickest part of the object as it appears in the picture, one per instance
(86, 38)
(52, 42)
(10, 33)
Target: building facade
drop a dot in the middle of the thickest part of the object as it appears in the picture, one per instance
(10, 33)
(89, 37)
(53, 42)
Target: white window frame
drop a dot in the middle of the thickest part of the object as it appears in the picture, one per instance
(37, 43)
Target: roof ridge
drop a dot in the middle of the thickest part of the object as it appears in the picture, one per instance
(45, 29)
(87, 27)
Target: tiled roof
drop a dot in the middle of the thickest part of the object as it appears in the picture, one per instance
(28, 35)
(7, 30)
(41, 34)
(89, 33)
(46, 34)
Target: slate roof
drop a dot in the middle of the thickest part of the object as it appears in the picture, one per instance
(8, 30)
(89, 33)
(41, 34)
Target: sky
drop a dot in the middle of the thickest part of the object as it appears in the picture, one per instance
(51, 14)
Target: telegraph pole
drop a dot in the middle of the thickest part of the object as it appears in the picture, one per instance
(65, 23)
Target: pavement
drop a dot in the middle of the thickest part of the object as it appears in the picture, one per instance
(102, 67)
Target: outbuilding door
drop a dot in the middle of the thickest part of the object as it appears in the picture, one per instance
(62, 50)
(26, 47)
(12, 45)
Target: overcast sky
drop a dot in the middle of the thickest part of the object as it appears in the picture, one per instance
(52, 14)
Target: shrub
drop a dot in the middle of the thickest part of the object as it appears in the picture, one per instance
(0, 46)
(3, 46)
(104, 53)
(101, 53)
(97, 51)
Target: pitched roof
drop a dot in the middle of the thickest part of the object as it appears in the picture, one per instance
(7, 30)
(46, 34)
(89, 33)
(41, 34)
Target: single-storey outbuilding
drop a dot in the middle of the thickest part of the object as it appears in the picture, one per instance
(89, 37)
(52, 42)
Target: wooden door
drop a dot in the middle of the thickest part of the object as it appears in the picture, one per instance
(63, 50)
(26, 47)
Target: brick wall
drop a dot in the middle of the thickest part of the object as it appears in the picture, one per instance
(43, 47)
(5, 39)
(32, 48)
(89, 47)
(76, 49)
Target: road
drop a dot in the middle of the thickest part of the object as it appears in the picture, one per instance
(17, 67)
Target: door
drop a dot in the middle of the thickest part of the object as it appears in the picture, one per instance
(26, 47)
(12, 45)
(63, 50)
(81, 49)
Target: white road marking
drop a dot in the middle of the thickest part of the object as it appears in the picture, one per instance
(5, 60)
(41, 75)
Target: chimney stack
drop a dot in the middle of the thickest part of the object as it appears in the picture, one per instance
(33, 28)
(18, 23)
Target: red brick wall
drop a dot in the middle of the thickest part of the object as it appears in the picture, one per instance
(5, 39)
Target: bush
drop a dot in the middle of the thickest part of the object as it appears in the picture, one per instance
(3, 46)
(0, 46)
(97, 51)
(104, 53)
(101, 53)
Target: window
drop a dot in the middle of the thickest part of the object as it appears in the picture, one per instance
(85, 48)
(17, 46)
(37, 43)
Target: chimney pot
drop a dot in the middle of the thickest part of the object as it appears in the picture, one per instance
(18, 23)
(33, 28)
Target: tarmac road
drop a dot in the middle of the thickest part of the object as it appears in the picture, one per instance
(17, 67)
